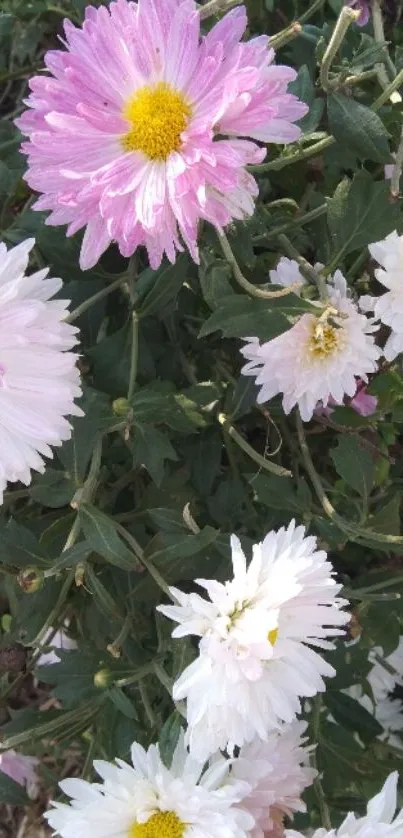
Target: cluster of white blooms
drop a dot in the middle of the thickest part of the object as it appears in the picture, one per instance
(328, 352)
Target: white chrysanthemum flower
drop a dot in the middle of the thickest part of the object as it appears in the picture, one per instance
(39, 379)
(384, 679)
(255, 658)
(152, 801)
(278, 771)
(377, 822)
(287, 273)
(320, 357)
(388, 308)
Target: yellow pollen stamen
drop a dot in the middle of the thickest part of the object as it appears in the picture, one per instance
(325, 340)
(160, 825)
(158, 114)
(272, 636)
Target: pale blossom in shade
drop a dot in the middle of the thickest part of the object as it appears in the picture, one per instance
(39, 379)
(55, 640)
(384, 679)
(21, 769)
(388, 307)
(143, 127)
(278, 771)
(363, 7)
(379, 820)
(318, 359)
(150, 800)
(256, 633)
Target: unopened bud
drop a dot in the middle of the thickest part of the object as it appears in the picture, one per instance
(102, 679)
(114, 650)
(31, 580)
(121, 407)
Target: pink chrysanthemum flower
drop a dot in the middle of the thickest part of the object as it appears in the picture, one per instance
(139, 131)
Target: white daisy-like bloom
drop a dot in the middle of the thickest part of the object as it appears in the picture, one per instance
(379, 820)
(255, 659)
(321, 357)
(149, 800)
(55, 640)
(278, 771)
(384, 679)
(287, 273)
(388, 307)
(39, 379)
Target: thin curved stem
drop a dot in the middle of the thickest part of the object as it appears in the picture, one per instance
(265, 464)
(252, 290)
(84, 306)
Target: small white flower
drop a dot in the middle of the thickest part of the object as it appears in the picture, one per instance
(39, 379)
(381, 678)
(287, 273)
(388, 308)
(58, 640)
(152, 801)
(377, 822)
(278, 771)
(255, 658)
(319, 358)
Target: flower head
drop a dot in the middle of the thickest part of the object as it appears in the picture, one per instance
(140, 129)
(38, 376)
(255, 658)
(318, 359)
(278, 771)
(388, 308)
(361, 6)
(150, 800)
(378, 820)
(21, 769)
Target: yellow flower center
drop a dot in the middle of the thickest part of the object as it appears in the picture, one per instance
(325, 340)
(158, 114)
(160, 825)
(272, 636)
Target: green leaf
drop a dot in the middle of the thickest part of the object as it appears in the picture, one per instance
(352, 715)
(169, 737)
(19, 547)
(150, 448)
(304, 88)
(215, 276)
(361, 214)
(11, 793)
(102, 597)
(73, 677)
(122, 702)
(387, 519)
(75, 454)
(53, 488)
(279, 493)
(359, 128)
(354, 464)
(239, 316)
(100, 532)
(166, 284)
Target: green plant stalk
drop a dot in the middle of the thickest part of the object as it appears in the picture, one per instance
(297, 221)
(241, 442)
(323, 807)
(346, 17)
(100, 295)
(305, 266)
(302, 154)
(252, 290)
(315, 7)
(397, 169)
(216, 7)
(134, 356)
(292, 31)
(147, 563)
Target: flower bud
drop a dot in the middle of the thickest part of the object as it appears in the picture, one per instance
(121, 407)
(31, 579)
(103, 678)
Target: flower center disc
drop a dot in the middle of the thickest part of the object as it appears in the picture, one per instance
(325, 340)
(160, 825)
(158, 115)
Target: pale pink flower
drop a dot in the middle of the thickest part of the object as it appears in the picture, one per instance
(363, 403)
(39, 379)
(21, 769)
(139, 130)
(363, 7)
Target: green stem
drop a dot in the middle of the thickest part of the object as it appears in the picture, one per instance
(84, 306)
(311, 11)
(305, 266)
(292, 31)
(139, 553)
(297, 221)
(273, 468)
(379, 35)
(295, 157)
(215, 7)
(346, 17)
(323, 807)
(388, 92)
(134, 355)
(252, 290)
(397, 169)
